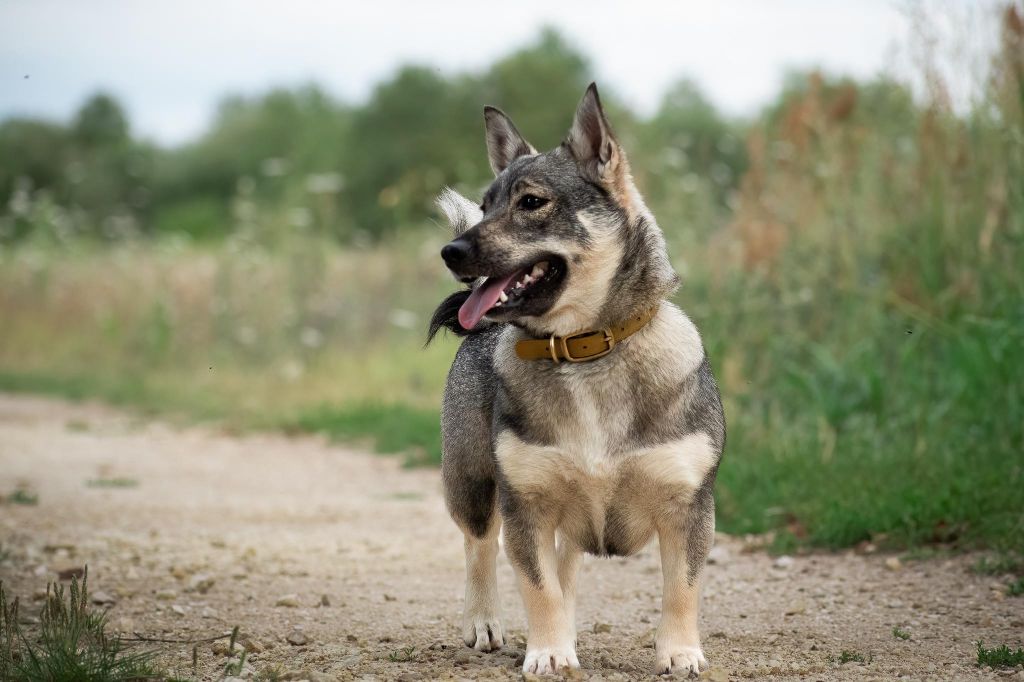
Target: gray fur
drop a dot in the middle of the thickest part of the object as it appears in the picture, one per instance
(639, 395)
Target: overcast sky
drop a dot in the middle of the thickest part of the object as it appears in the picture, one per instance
(170, 62)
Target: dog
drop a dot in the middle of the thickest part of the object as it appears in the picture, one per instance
(580, 414)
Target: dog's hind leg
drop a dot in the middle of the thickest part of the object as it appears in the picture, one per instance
(569, 561)
(684, 547)
(481, 625)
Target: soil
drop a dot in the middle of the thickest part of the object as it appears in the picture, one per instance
(337, 564)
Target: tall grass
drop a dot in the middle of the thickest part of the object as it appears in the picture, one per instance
(862, 303)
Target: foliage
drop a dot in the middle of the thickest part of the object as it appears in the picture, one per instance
(1001, 656)
(71, 643)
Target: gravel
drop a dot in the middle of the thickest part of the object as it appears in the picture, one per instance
(263, 519)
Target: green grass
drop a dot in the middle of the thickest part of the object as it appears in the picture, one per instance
(999, 564)
(112, 483)
(22, 497)
(1016, 588)
(899, 633)
(846, 656)
(393, 428)
(70, 643)
(1001, 656)
(403, 655)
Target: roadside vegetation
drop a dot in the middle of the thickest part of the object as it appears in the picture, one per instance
(854, 257)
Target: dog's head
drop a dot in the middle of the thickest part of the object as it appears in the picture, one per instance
(562, 240)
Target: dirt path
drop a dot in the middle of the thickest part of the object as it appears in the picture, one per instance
(258, 531)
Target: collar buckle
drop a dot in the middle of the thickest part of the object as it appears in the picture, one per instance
(556, 343)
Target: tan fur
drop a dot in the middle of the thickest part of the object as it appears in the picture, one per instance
(552, 645)
(481, 626)
(677, 645)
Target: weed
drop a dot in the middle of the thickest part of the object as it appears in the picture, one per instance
(23, 497)
(270, 674)
(899, 633)
(112, 483)
(71, 642)
(846, 656)
(1001, 656)
(999, 564)
(403, 655)
(1016, 588)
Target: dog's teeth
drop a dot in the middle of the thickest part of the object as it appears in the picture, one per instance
(527, 279)
(537, 272)
(503, 297)
(498, 304)
(518, 285)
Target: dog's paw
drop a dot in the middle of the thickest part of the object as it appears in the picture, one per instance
(680, 659)
(483, 633)
(550, 660)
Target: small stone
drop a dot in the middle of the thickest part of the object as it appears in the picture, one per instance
(223, 648)
(388, 597)
(207, 612)
(796, 608)
(324, 600)
(289, 600)
(600, 628)
(783, 562)
(131, 573)
(166, 595)
(251, 644)
(101, 597)
(297, 638)
(893, 563)
(180, 610)
(39, 594)
(65, 574)
(200, 583)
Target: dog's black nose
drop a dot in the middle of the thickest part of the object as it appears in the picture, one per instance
(455, 253)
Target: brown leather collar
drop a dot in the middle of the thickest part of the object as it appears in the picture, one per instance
(583, 346)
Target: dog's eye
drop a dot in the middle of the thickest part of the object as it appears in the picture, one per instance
(531, 202)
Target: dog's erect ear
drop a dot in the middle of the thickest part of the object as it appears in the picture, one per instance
(461, 213)
(592, 142)
(504, 143)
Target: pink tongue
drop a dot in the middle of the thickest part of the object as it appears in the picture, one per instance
(481, 300)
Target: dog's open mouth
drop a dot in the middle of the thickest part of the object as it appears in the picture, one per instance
(508, 292)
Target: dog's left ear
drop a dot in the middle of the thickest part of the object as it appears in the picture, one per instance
(592, 142)
(504, 143)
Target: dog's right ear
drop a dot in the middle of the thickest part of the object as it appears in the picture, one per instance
(504, 143)
(461, 213)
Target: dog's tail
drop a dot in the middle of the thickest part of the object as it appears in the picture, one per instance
(461, 214)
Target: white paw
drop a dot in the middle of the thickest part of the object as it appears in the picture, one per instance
(483, 633)
(680, 659)
(550, 660)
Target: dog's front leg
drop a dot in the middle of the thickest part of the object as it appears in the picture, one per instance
(569, 561)
(531, 549)
(481, 623)
(684, 547)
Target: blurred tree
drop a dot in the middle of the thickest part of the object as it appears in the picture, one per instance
(101, 122)
(418, 132)
(279, 139)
